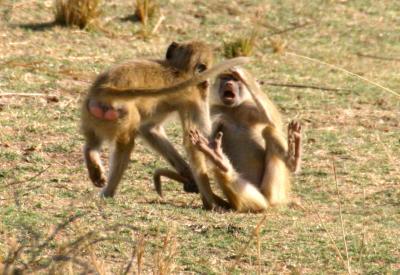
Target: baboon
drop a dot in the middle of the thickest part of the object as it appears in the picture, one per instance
(134, 99)
(250, 157)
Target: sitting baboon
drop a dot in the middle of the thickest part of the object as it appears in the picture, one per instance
(250, 157)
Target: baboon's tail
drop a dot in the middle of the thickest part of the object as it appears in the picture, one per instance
(130, 93)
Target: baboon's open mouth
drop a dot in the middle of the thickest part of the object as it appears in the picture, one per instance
(228, 94)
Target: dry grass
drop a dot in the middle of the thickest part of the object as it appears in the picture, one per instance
(80, 254)
(164, 261)
(76, 12)
(146, 10)
(255, 234)
(243, 46)
(277, 44)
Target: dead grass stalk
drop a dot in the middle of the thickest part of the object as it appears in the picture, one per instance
(330, 236)
(76, 12)
(96, 263)
(242, 46)
(341, 219)
(277, 44)
(388, 153)
(255, 234)
(140, 253)
(145, 10)
(164, 258)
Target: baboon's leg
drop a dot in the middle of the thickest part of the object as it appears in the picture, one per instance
(91, 152)
(197, 116)
(294, 146)
(275, 183)
(242, 195)
(118, 162)
(156, 137)
(198, 163)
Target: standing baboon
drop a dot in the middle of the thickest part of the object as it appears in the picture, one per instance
(134, 98)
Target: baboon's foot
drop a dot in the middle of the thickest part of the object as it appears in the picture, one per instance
(106, 193)
(94, 167)
(96, 175)
(189, 183)
(190, 187)
(294, 146)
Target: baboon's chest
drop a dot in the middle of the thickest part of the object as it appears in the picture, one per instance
(246, 150)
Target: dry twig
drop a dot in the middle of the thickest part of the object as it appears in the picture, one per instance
(48, 97)
(29, 179)
(378, 57)
(304, 86)
(345, 71)
(158, 24)
(277, 31)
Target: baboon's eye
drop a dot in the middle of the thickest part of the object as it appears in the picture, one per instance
(200, 68)
(227, 77)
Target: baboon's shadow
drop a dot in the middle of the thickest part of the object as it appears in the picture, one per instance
(38, 26)
(177, 205)
(131, 18)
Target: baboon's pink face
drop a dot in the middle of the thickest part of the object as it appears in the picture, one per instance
(230, 90)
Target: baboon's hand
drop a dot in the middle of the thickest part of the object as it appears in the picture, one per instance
(294, 129)
(212, 150)
(198, 140)
(294, 146)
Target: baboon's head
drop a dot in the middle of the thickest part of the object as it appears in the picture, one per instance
(229, 89)
(191, 57)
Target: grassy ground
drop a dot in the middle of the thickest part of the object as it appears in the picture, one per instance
(53, 220)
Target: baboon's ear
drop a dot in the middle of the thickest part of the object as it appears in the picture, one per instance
(171, 49)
